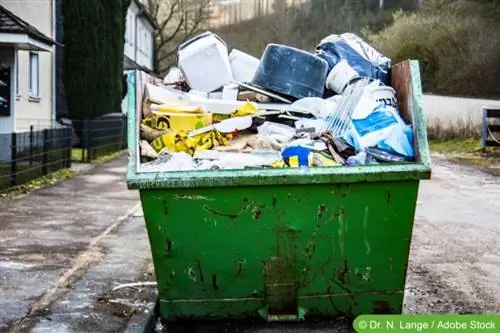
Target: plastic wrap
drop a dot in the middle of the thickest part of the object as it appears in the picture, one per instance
(362, 57)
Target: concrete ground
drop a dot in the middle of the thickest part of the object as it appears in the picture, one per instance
(52, 237)
(63, 250)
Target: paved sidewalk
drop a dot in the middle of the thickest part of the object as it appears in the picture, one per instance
(50, 237)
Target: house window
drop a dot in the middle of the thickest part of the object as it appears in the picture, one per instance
(17, 72)
(34, 71)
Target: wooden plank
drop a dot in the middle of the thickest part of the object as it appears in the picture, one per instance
(401, 82)
(492, 113)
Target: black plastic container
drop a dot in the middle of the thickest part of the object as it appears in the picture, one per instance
(291, 72)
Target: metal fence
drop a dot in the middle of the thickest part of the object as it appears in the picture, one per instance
(25, 156)
(100, 137)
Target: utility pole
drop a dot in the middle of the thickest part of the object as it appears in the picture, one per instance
(381, 4)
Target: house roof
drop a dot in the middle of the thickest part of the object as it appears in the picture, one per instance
(143, 10)
(10, 23)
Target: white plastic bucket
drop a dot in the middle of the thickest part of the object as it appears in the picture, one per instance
(340, 76)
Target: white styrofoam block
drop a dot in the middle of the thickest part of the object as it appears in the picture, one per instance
(204, 62)
(243, 65)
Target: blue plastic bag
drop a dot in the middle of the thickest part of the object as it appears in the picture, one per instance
(363, 58)
(381, 127)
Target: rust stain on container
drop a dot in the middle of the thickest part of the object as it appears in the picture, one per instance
(339, 214)
(165, 207)
(171, 276)
(214, 282)
(168, 245)
(215, 212)
(343, 273)
(381, 307)
(310, 249)
(191, 274)
(256, 213)
(321, 211)
(200, 271)
(240, 264)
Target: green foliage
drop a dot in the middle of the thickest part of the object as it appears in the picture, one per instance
(94, 32)
(457, 42)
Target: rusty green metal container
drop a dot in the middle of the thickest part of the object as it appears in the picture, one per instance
(284, 244)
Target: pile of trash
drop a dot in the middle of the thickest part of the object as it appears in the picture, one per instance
(228, 110)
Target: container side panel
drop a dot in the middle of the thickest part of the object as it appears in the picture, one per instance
(330, 250)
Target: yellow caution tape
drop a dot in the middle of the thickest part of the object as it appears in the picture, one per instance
(179, 141)
(247, 109)
(279, 165)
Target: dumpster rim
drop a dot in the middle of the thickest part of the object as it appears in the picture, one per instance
(266, 177)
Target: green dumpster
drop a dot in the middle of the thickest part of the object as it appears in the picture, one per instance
(284, 244)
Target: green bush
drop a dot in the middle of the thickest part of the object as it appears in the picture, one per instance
(94, 36)
(457, 42)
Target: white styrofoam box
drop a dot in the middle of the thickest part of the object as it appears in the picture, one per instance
(204, 62)
(243, 65)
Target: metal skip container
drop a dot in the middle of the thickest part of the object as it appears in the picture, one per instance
(284, 244)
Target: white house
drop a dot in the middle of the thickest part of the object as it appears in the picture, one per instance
(31, 59)
(139, 38)
(139, 42)
(26, 65)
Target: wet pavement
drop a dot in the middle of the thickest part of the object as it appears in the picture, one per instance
(52, 236)
(64, 249)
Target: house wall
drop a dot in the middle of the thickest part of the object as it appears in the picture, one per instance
(7, 58)
(144, 46)
(30, 110)
(139, 38)
(130, 31)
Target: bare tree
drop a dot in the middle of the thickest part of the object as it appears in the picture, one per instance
(177, 20)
